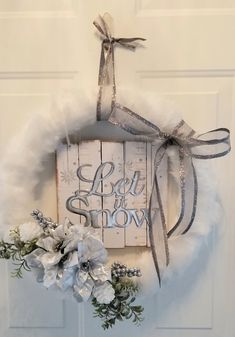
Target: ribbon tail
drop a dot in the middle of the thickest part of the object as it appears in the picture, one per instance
(189, 191)
(107, 87)
(157, 229)
(195, 193)
(182, 193)
(153, 249)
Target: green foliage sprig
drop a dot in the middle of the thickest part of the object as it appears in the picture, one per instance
(121, 307)
(16, 250)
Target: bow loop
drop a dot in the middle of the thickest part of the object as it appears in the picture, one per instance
(102, 26)
(212, 144)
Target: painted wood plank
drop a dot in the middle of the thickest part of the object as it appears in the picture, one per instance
(67, 181)
(135, 160)
(90, 154)
(113, 152)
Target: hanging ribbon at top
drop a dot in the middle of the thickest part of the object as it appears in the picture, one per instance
(107, 66)
(187, 144)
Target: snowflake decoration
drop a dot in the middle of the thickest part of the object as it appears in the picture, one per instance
(129, 165)
(120, 167)
(68, 176)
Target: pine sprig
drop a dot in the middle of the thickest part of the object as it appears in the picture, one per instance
(121, 307)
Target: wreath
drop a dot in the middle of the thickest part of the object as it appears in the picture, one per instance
(69, 256)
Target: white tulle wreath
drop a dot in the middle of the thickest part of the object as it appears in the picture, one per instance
(26, 156)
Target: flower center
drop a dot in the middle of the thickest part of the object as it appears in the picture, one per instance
(85, 266)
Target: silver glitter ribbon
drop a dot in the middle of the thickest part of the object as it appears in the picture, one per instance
(212, 144)
(106, 69)
(209, 145)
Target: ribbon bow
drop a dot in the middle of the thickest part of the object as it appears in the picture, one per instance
(212, 144)
(107, 69)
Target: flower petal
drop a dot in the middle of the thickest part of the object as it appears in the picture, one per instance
(47, 243)
(83, 252)
(36, 266)
(92, 249)
(70, 244)
(82, 291)
(104, 293)
(32, 258)
(72, 260)
(50, 276)
(29, 231)
(50, 259)
(100, 273)
(67, 279)
(58, 233)
(82, 276)
(38, 274)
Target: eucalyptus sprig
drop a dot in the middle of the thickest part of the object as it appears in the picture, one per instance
(121, 307)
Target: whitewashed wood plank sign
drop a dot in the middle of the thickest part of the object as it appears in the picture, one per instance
(107, 185)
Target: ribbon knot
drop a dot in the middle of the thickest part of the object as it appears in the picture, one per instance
(107, 69)
(109, 41)
(171, 141)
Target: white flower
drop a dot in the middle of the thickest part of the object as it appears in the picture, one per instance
(69, 256)
(30, 231)
(91, 249)
(104, 293)
(65, 236)
(91, 270)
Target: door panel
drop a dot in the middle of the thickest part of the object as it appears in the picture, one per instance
(189, 58)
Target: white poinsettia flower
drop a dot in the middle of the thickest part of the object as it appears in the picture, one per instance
(74, 234)
(71, 257)
(104, 293)
(91, 270)
(51, 254)
(64, 237)
(55, 239)
(91, 249)
(30, 231)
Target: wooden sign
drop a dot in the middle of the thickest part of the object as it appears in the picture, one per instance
(107, 185)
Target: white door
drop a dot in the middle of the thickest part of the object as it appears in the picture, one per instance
(189, 58)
